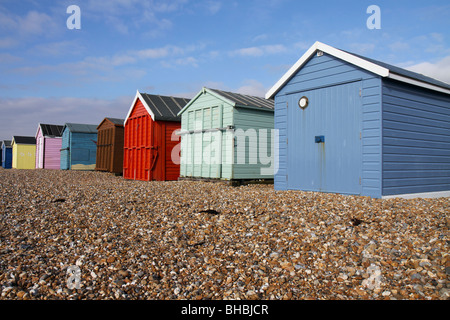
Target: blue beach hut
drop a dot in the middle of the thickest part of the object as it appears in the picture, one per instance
(6, 154)
(353, 125)
(79, 146)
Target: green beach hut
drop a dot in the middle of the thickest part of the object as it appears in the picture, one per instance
(227, 136)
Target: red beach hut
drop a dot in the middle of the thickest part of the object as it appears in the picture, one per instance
(149, 137)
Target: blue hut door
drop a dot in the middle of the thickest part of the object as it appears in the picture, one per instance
(65, 151)
(324, 139)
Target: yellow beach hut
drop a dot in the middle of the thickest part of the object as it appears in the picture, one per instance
(24, 152)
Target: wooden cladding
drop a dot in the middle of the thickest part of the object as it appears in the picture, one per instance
(110, 143)
(148, 147)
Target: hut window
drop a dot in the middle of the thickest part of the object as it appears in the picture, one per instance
(303, 102)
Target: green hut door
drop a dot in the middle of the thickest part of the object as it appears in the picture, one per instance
(204, 143)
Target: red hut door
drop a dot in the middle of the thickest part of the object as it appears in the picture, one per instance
(138, 145)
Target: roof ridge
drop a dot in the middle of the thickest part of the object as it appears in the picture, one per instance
(164, 107)
(379, 68)
(393, 67)
(245, 99)
(260, 100)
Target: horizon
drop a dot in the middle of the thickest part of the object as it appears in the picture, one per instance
(53, 74)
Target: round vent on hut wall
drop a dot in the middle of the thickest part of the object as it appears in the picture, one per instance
(303, 102)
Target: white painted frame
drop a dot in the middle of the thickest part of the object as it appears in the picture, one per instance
(147, 108)
(359, 62)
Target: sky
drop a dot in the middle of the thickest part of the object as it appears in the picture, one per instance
(52, 74)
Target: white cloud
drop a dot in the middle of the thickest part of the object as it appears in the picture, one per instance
(32, 24)
(152, 53)
(129, 16)
(107, 63)
(260, 37)
(439, 70)
(252, 51)
(168, 6)
(253, 88)
(36, 23)
(188, 61)
(259, 51)
(399, 46)
(59, 48)
(362, 48)
(34, 110)
(213, 6)
(8, 42)
(8, 59)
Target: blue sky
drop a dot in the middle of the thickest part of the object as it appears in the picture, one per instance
(51, 74)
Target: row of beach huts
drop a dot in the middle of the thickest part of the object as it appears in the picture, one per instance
(335, 122)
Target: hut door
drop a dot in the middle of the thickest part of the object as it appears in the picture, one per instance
(149, 150)
(324, 139)
(41, 153)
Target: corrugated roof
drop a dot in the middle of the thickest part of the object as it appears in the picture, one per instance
(244, 100)
(52, 130)
(165, 108)
(116, 120)
(81, 127)
(24, 140)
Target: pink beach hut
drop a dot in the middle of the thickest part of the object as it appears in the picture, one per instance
(48, 145)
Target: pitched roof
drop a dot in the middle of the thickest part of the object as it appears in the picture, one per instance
(236, 100)
(160, 108)
(406, 73)
(82, 128)
(115, 120)
(51, 130)
(380, 68)
(6, 143)
(24, 140)
(243, 100)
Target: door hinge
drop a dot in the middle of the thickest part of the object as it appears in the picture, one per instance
(360, 135)
(360, 92)
(359, 180)
(287, 141)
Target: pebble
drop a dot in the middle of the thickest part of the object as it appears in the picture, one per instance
(130, 239)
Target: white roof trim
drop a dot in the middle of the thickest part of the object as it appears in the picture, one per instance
(37, 131)
(191, 102)
(362, 63)
(211, 92)
(139, 96)
(418, 83)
